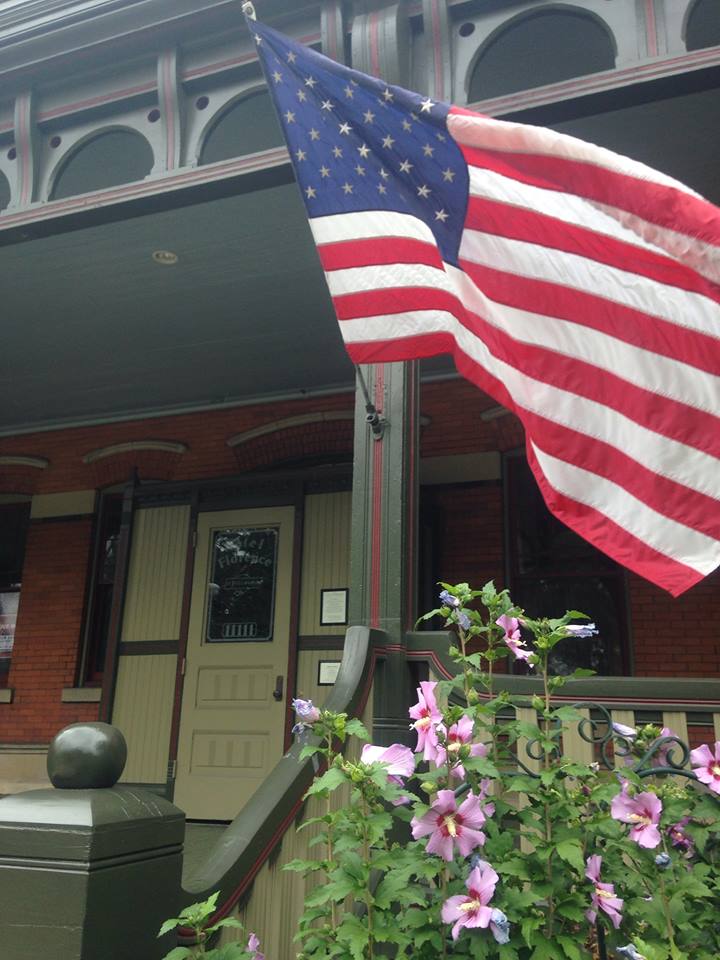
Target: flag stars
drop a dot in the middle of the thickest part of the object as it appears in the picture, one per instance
(428, 150)
(291, 57)
(289, 116)
(388, 142)
(424, 191)
(426, 106)
(324, 171)
(258, 39)
(327, 105)
(440, 136)
(277, 76)
(383, 173)
(360, 171)
(310, 193)
(337, 152)
(448, 175)
(314, 134)
(407, 126)
(382, 188)
(363, 150)
(345, 128)
(441, 215)
(388, 95)
(349, 92)
(406, 166)
(302, 96)
(368, 116)
(300, 155)
(310, 82)
(347, 188)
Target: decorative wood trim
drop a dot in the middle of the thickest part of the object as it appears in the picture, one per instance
(436, 31)
(37, 463)
(332, 30)
(168, 446)
(122, 568)
(171, 112)
(183, 639)
(81, 695)
(148, 648)
(286, 423)
(25, 141)
(324, 642)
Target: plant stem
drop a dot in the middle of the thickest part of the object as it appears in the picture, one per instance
(368, 895)
(330, 848)
(668, 917)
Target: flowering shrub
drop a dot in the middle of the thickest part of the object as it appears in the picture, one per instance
(513, 851)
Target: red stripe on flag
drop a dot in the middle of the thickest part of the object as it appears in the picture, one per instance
(377, 250)
(531, 226)
(585, 309)
(669, 207)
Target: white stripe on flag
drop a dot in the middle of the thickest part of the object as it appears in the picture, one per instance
(680, 307)
(365, 224)
(672, 539)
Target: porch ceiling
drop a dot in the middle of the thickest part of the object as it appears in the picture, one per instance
(91, 327)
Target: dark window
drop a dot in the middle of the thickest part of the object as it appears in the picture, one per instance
(541, 48)
(13, 534)
(101, 592)
(552, 569)
(4, 191)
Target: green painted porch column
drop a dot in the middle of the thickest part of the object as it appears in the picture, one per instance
(384, 534)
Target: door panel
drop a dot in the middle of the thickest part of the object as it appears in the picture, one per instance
(231, 727)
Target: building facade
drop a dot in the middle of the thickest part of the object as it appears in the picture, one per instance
(193, 507)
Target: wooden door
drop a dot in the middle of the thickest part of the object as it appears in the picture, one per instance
(233, 714)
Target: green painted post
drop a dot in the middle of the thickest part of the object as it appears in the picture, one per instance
(384, 534)
(88, 870)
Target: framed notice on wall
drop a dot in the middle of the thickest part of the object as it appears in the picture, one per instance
(334, 607)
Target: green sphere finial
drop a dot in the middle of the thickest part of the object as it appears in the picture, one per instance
(86, 756)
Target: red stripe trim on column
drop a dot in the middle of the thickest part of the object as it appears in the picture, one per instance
(651, 28)
(374, 47)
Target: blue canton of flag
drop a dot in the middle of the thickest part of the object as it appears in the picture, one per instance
(357, 143)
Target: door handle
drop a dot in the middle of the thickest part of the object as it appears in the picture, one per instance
(278, 691)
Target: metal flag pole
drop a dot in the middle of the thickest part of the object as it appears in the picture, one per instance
(249, 10)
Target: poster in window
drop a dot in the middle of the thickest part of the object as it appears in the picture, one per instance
(241, 591)
(8, 617)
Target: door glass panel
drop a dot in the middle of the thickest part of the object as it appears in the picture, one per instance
(241, 590)
(8, 616)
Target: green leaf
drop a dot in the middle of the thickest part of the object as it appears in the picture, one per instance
(571, 852)
(355, 934)
(178, 953)
(544, 951)
(329, 781)
(570, 947)
(168, 926)
(227, 922)
(357, 729)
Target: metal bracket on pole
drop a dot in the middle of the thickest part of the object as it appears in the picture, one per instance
(249, 10)
(374, 420)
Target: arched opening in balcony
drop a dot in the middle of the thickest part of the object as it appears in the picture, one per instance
(105, 160)
(541, 48)
(703, 25)
(247, 126)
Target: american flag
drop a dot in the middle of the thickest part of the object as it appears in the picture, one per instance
(576, 287)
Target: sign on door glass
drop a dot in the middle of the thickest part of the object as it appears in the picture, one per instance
(241, 591)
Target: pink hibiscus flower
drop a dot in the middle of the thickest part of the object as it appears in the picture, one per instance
(642, 812)
(473, 910)
(426, 715)
(511, 626)
(459, 735)
(397, 759)
(707, 766)
(253, 946)
(603, 896)
(450, 825)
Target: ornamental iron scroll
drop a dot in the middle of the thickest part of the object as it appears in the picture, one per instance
(666, 756)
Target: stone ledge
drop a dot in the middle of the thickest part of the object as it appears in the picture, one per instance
(81, 695)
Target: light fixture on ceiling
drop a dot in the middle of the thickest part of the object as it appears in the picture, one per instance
(165, 257)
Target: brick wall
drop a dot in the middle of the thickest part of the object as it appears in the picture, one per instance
(44, 657)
